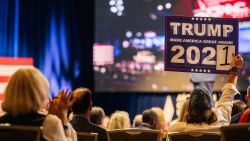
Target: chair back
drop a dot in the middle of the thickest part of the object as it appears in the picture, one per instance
(194, 136)
(84, 136)
(239, 132)
(20, 133)
(134, 135)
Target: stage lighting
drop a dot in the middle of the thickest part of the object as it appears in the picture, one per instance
(159, 7)
(116, 7)
(168, 5)
(129, 34)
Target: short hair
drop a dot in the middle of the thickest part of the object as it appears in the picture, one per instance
(81, 100)
(27, 91)
(200, 107)
(238, 106)
(97, 114)
(150, 117)
(119, 120)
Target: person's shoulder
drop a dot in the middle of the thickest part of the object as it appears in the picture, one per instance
(98, 127)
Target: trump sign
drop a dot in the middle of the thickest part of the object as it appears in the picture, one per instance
(200, 44)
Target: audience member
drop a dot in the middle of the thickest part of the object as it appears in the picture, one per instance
(160, 116)
(184, 112)
(81, 107)
(162, 125)
(105, 122)
(25, 103)
(238, 107)
(119, 120)
(201, 115)
(97, 115)
(137, 120)
(245, 117)
(149, 120)
(247, 96)
(236, 117)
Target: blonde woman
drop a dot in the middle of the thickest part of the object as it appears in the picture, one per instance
(162, 126)
(26, 101)
(119, 120)
(184, 112)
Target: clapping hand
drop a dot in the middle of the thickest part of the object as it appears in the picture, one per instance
(59, 106)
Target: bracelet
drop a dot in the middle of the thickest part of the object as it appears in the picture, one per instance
(235, 71)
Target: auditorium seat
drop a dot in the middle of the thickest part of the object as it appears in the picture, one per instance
(84, 136)
(236, 132)
(19, 133)
(194, 136)
(133, 135)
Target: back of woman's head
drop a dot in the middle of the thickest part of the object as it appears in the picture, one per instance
(200, 107)
(97, 115)
(161, 118)
(27, 91)
(119, 120)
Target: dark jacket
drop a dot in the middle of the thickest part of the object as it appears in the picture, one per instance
(143, 126)
(82, 124)
(31, 119)
(235, 118)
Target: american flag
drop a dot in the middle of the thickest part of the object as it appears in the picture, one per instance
(8, 66)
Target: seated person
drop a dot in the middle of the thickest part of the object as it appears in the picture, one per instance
(105, 122)
(149, 120)
(26, 99)
(119, 120)
(183, 113)
(238, 106)
(81, 107)
(97, 115)
(137, 120)
(245, 117)
(236, 117)
(201, 115)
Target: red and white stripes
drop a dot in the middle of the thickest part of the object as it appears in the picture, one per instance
(8, 66)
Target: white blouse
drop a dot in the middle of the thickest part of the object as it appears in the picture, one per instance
(222, 109)
(53, 130)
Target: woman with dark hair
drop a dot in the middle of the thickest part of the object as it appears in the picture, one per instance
(201, 114)
(201, 97)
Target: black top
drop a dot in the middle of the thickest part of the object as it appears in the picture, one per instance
(31, 119)
(82, 124)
